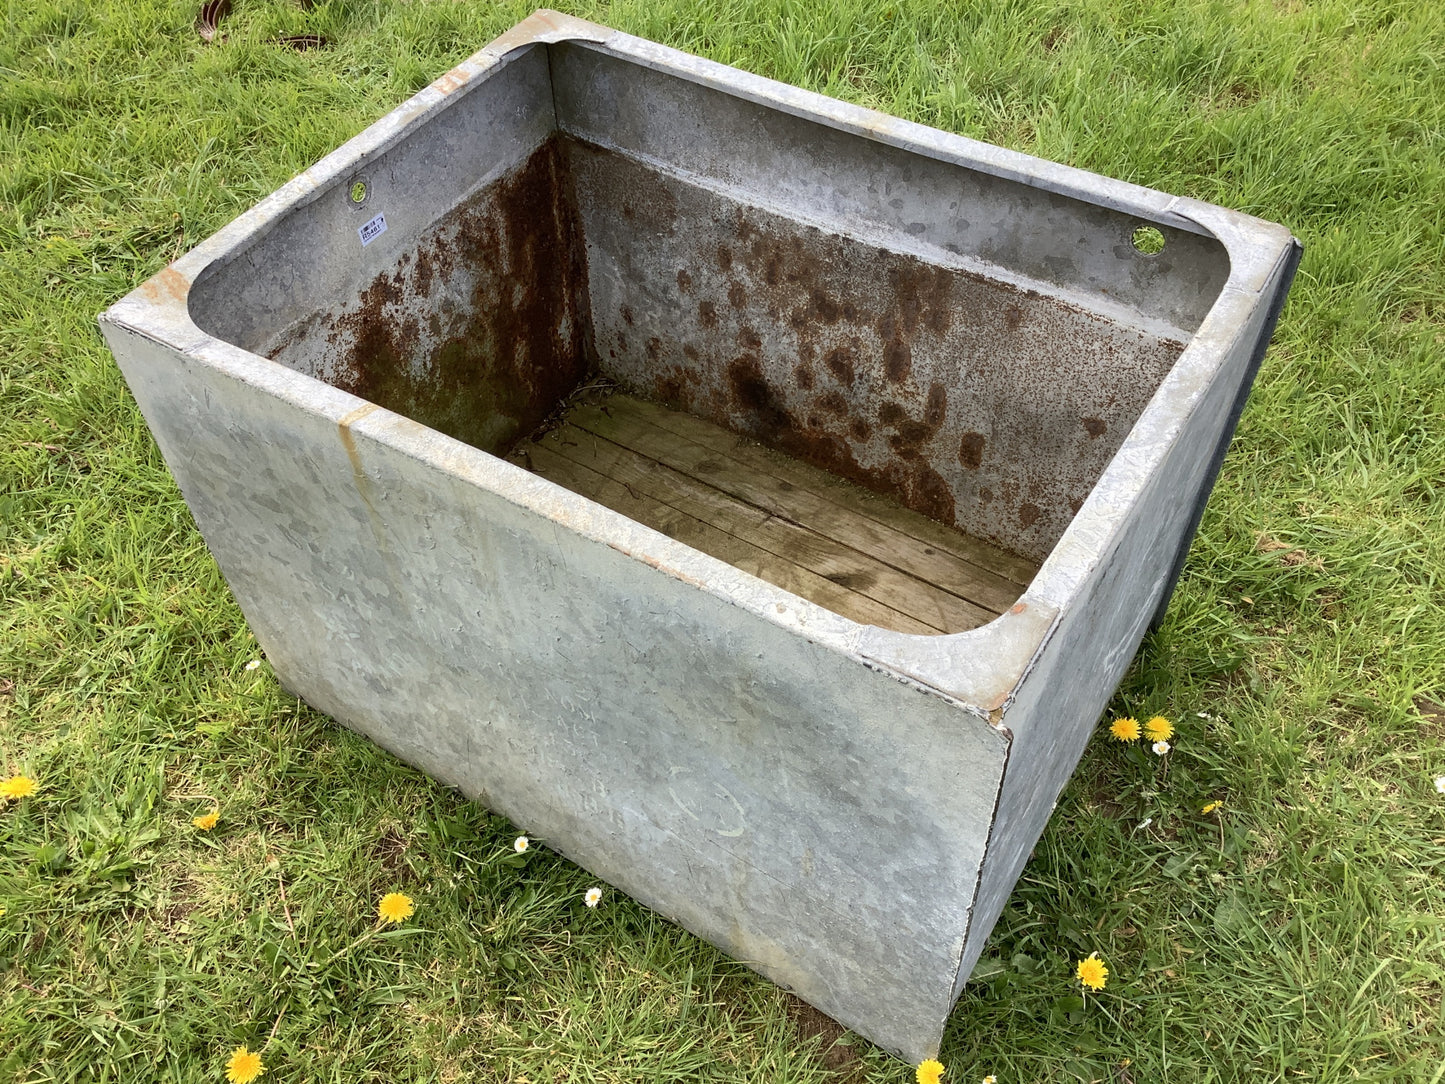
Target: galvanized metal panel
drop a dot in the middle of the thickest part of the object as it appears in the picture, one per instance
(1054, 711)
(911, 188)
(781, 800)
(276, 283)
(479, 327)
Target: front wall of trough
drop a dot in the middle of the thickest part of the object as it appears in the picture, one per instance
(817, 819)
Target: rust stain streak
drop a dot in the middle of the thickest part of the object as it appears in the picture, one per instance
(351, 417)
(169, 285)
(348, 441)
(451, 81)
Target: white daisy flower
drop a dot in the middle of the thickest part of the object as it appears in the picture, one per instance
(593, 897)
(521, 844)
(1161, 747)
(1440, 784)
(254, 664)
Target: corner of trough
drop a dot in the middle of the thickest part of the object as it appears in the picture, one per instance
(547, 27)
(981, 668)
(1255, 246)
(159, 308)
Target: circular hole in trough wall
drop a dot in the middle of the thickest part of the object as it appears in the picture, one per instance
(1148, 240)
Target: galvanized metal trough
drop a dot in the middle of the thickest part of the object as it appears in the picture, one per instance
(754, 496)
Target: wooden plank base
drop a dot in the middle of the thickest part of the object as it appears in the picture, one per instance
(858, 554)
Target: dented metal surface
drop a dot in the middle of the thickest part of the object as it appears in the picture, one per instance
(960, 326)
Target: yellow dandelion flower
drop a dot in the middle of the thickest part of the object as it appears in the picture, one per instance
(17, 787)
(1125, 729)
(1159, 728)
(520, 844)
(244, 1066)
(929, 1072)
(395, 907)
(1211, 807)
(1092, 972)
(206, 821)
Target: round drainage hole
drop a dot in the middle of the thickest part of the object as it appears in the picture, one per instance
(1148, 240)
(358, 195)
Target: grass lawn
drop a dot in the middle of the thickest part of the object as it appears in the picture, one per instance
(1296, 933)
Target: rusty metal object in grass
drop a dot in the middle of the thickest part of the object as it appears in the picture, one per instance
(208, 21)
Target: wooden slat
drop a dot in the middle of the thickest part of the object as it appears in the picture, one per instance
(1011, 568)
(544, 459)
(783, 538)
(945, 558)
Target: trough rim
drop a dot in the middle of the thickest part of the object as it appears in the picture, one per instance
(980, 669)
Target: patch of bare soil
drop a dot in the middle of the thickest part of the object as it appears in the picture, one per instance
(839, 1057)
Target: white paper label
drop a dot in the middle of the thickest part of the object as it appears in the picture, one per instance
(372, 230)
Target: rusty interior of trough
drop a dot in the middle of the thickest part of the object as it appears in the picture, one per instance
(942, 394)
